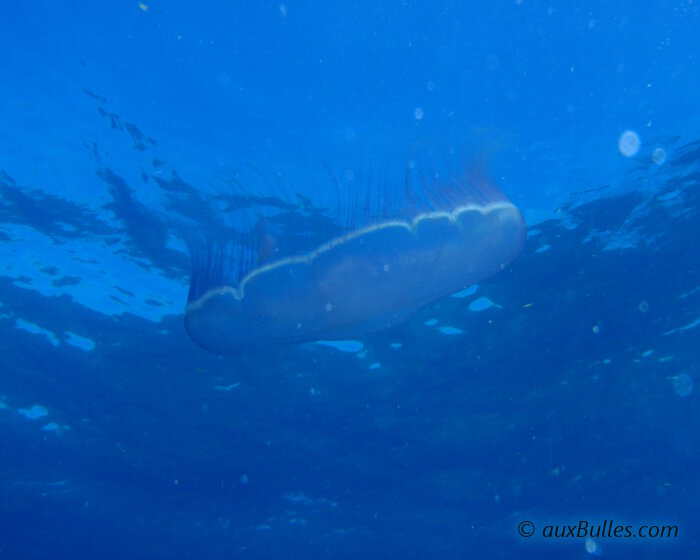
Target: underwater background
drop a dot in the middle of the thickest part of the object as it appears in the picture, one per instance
(559, 391)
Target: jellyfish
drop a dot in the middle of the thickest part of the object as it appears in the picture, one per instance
(287, 269)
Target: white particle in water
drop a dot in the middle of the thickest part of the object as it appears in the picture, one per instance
(682, 384)
(629, 143)
(658, 156)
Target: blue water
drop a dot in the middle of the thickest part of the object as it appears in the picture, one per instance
(557, 391)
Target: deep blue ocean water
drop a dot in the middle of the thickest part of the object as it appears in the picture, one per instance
(559, 391)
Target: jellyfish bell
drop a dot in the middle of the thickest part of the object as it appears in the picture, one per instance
(304, 273)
